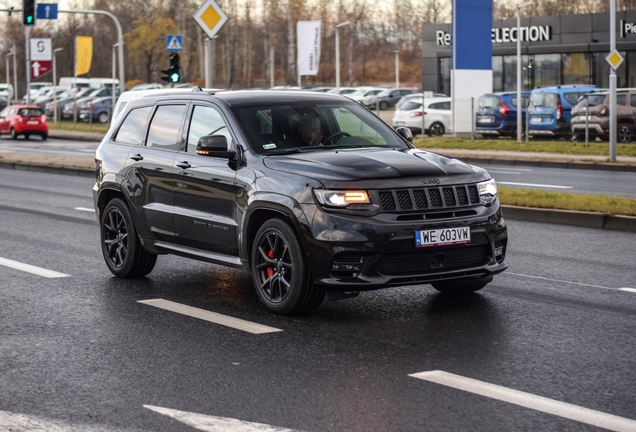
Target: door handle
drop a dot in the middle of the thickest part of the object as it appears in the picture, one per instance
(183, 165)
(137, 157)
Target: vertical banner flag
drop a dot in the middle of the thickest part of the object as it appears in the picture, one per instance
(308, 33)
(83, 54)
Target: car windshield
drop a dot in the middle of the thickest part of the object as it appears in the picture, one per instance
(544, 100)
(384, 93)
(489, 102)
(310, 125)
(592, 100)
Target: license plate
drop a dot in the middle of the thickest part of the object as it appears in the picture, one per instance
(536, 119)
(32, 122)
(441, 237)
(486, 120)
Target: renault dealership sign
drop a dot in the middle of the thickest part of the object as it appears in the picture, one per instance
(506, 34)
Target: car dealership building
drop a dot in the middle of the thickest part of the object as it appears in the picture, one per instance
(568, 49)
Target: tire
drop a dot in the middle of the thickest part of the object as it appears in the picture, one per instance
(384, 105)
(280, 271)
(44, 136)
(14, 135)
(462, 286)
(624, 134)
(27, 136)
(122, 250)
(437, 129)
(103, 117)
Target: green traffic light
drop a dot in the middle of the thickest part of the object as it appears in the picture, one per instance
(175, 77)
(29, 19)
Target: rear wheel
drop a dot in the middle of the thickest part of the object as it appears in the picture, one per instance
(103, 117)
(462, 286)
(384, 105)
(437, 129)
(44, 136)
(624, 133)
(122, 250)
(280, 271)
(13, 134)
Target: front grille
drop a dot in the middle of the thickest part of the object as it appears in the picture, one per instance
(429, 198)
(433, 260)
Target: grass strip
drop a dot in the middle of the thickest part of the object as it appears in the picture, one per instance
(606, 204)
(79, 127)
(537, 146)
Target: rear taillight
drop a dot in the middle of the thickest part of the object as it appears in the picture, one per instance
(503, 110)
(416, 114)
(603, 111)
(19, 118)
(43, 118)
(559, 112)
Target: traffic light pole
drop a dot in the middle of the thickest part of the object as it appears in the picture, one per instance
(27, 34)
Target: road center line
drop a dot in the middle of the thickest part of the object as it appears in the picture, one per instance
(528, 400)
(558, 280)
(86, 209)
(534, 185)
(39, 271)
(217, 318)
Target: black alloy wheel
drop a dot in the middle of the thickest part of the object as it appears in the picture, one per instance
(122, 250)
(624, 133)
(437, 129)
(280, 271)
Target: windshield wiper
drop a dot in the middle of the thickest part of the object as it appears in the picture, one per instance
(282, 151)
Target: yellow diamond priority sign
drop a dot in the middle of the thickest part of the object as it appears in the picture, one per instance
(615, 59)
(210, 18)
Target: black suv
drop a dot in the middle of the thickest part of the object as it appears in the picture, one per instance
(310, 192)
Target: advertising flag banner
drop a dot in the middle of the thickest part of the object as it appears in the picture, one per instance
(83, 54)
(308, 33)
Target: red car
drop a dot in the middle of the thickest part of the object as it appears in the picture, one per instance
(24, 120)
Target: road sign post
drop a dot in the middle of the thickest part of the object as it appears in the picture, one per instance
(210, 18)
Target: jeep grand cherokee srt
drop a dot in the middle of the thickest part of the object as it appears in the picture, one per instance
(310, 192)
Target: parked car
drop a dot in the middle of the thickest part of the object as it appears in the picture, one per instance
(146, 86)
(387, 98)
(337, 201)
(71, 105)
(343, 90)
(6, 90)
(412, 96)
(598, 116)
(437, 116)
(34, 88)
(496, 114)
(97, 110)
(26, 120)
(46, 96)
(550, 109)
(3, 102)
(69, 95)
(362, 93)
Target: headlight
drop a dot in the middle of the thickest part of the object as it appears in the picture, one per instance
(488, 190)
(342, 198)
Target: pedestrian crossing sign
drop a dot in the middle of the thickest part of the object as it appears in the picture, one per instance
(174, 43)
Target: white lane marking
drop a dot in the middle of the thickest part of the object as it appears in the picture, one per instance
(217, 318)
(19, 422)
(503, 172)
(86, 209)
(557, 280)
(210, 423)
(32, 269)
(528, 400)
(628, 289)
(534, 185)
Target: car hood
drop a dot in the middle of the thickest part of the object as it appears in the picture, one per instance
(377, 168)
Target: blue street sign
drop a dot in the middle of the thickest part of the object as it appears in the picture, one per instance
(46, 11)
(174, 43)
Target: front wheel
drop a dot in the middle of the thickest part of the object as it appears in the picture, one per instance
(14, 135)
(624, 133)
(437, 129)
(122, 250)
(462, 286)
(280, 271)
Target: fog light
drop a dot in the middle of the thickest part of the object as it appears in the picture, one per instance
(499, 251)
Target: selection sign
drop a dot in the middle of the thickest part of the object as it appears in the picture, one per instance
(210, 18)
(40, 67)
(41, 49)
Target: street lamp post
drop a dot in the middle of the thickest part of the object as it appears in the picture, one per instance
(56, 50)
(397, 68)
(9, 54)
(519, 104)
(342, 24)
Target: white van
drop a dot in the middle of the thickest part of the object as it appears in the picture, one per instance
(74, 82)
(102, 82)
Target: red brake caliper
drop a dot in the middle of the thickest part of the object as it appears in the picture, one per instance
(270, 270)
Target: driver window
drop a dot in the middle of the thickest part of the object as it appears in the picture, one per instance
(206, 121)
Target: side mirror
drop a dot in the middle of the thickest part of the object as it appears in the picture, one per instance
(214, 146)
(405, 133)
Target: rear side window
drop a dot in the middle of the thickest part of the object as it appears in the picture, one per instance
(164, 127)
(410, 106)
(621, 99)
(132, 129)
(488, 102)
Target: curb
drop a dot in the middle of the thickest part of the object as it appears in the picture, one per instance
(595, 166)
(526, 214)
(76, 135)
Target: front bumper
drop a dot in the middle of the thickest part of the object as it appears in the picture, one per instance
(367, 253)
(594, 128)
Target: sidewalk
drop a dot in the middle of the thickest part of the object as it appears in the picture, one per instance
(85, 166)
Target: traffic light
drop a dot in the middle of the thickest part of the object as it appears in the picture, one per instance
(172, 74)
(28, 12)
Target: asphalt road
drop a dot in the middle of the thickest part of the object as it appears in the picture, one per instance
(78, 351)
(51, 146)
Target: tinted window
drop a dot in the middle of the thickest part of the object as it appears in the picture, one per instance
(621, 99)
(572, 97)
(164, 127)
(632, 100)
(547, 100)
(437, 106)
(132, 129)
(206, 121)
(592, 100)
(488, 102)
(410, 106)
(446, 106)
(30, 112)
